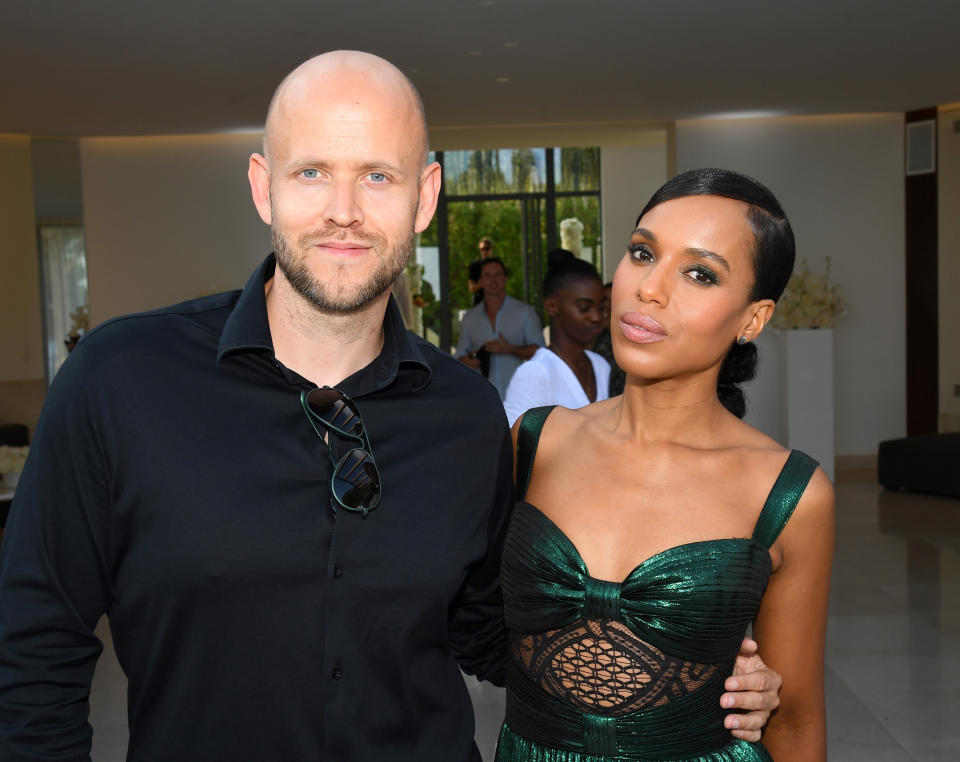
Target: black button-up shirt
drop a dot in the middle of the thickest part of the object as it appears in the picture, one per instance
(176, 484)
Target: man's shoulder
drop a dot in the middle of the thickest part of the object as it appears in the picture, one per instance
(206, 314)
(447, 370)
(476, 311)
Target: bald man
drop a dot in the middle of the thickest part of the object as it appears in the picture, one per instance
(290, 572)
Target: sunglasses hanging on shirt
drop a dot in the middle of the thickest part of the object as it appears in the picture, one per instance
(355, 483)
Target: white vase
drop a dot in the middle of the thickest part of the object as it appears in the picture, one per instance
(808, 385)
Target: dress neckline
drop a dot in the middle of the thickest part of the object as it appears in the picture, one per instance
(658, 556)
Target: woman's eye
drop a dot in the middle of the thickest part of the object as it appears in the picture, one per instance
(703, 275)
(640, 252)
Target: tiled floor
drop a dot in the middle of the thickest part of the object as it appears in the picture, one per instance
(893, 644)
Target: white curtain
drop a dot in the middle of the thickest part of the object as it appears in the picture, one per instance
(64, 266)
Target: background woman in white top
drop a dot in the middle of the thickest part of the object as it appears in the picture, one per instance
(566, 372)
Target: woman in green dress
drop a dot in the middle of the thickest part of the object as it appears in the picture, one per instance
(655, 527)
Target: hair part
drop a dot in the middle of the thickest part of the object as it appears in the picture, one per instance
(773, 255)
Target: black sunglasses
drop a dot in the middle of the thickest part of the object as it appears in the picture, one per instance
(355, 483)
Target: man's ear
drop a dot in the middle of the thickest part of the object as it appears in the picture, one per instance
(551, 306)
(259, 175)
(430, 180)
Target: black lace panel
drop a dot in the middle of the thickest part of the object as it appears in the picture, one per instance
(602, 667)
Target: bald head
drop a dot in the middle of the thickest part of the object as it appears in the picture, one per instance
(341, 79)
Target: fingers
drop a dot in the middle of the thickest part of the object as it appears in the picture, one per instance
(766, 680)
(745, 725)
(751, 701)
(748, 647)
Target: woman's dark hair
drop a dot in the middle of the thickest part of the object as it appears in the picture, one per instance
(564, 267)
(774, 252)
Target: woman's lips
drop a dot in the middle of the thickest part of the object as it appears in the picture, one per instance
(641, 329)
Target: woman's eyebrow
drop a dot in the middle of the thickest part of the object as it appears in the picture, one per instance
(707, 254)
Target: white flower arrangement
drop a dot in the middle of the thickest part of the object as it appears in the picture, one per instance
(11, 463)
(571, 235)
(809, 300)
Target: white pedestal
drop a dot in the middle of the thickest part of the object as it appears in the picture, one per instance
(808, 387)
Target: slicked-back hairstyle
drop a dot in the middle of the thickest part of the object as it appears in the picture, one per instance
(774, 252)
(774, 248)
(564, 267)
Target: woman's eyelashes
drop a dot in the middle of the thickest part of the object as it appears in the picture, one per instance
(703, 275)
(640, 252)
(698, 273)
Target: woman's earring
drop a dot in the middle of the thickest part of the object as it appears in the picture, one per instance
(742, 340)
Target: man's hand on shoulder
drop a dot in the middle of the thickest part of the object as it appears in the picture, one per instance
(753, 692)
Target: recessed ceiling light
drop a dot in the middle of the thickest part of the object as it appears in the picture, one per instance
(503, 79)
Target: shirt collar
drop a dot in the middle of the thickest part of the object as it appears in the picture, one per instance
(248, 329)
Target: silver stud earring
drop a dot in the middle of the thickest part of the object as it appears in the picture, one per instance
(742, 340)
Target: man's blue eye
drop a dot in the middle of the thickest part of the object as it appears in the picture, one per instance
(378, 177)
(310, 174)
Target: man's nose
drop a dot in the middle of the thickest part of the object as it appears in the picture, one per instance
(342, 203)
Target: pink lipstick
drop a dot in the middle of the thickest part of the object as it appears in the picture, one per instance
(641, 329)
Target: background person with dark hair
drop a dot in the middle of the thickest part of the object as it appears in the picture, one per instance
(503, 326)
(485, 247)
(603, 346)
(565, 372)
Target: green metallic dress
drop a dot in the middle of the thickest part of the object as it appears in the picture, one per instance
(601, 671)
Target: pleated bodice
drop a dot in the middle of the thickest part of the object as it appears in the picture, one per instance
(634, 670)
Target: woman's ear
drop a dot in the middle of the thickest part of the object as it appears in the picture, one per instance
(758, 315)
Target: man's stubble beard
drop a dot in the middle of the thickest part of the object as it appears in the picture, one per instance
(338, 296)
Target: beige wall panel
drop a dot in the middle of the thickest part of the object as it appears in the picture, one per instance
(167, 219)
(948, 194)
(21, 321)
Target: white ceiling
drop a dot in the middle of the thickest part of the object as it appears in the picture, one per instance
(124, 67)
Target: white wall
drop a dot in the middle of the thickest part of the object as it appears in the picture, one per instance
(21, 329)
(167, 219)
(840, 180)
(628, 177)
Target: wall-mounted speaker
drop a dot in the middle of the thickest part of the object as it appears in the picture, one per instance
(922, 147)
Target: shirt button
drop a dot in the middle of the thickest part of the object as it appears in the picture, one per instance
(338, 571)
(337, 673)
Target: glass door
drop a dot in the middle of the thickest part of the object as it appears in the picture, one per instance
(526, 201)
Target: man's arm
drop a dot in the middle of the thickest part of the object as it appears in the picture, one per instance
(478, 635)
(54, 581)
(500, 345)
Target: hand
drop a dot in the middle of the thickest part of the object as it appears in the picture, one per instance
(471, 361)
(498, 345)
(753, 692)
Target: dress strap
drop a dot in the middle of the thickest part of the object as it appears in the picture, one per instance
(528, 435)
(784, 496)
